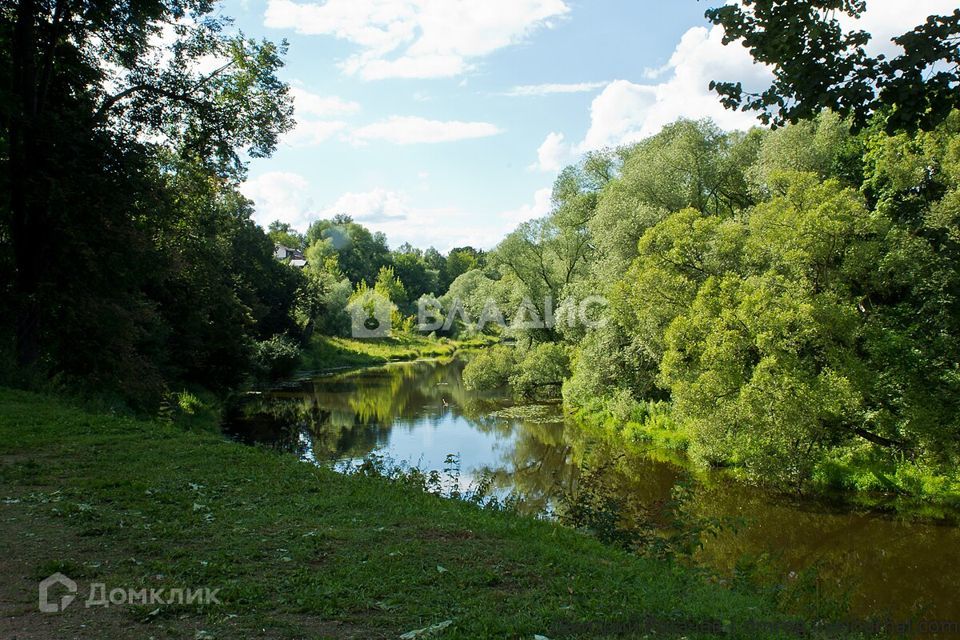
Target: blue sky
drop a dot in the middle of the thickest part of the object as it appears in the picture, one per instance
(445, 122)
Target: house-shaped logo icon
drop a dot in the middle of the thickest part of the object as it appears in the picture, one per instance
(46, 606)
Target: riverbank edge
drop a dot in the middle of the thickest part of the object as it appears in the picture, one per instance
(327, 353)
(299, 549)
(852, 477)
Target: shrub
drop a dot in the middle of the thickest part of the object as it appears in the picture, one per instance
(541, 372)
(490, 368)
(276, 357)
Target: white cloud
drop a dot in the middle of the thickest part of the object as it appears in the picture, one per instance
(313, 132)
(625, 112)
(431, 66)
(378, 205)
(414, 130)
(618, 114)
(308, 107)
(548, 89)
(885, 19)
(553, 154)
(416, 38)
(394, 213)
(311, 104)
(541, 206)
(279, 195)
(440, 227)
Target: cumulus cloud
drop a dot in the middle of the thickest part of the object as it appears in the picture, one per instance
(307, 103)
(553, 154)
(440, 227)
(279, 195)
(378, 205)
(550, 88)
(316, 117)
(312, 132)
(414, 130)
(444, 227)
(626, 112)
(541, 206)
(416, 38)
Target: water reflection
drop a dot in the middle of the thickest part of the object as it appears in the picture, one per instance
(419, 413)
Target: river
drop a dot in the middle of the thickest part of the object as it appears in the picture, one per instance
(827, 556)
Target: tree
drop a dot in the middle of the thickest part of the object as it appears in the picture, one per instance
(756, 368)
(360, 253)
(459, 261)
(810, 317)
(418, 278)
(390, 286)
(541, 371)
(817, 65)
(367, 303)
(473, 292)
(435, 261)
(283, 234)
(823, 145)
(121, 162)
(548, 255)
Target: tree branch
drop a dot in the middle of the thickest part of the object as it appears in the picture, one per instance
(110, 102)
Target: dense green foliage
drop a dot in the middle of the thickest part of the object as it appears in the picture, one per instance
(787, 300)
(128, 259)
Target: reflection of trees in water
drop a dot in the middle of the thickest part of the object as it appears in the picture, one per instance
(538, 466)
(350, 414)
(300, 425)
(890, 566)
(817, 554)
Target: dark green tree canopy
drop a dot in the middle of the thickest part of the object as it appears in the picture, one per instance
(128, 258)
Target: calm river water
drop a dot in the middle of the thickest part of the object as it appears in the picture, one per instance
(419, 413)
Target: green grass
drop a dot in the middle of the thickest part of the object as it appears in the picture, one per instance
(644, 424)
(325, 353)
(300, 551)
(872, 477)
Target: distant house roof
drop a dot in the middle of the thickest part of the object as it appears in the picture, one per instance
(298, 262)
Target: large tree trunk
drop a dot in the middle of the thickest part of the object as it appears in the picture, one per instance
(26, 177)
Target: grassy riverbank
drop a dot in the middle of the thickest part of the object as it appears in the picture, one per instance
(299, 551)
(327, 353)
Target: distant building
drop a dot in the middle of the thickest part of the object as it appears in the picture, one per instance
(293, 257)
